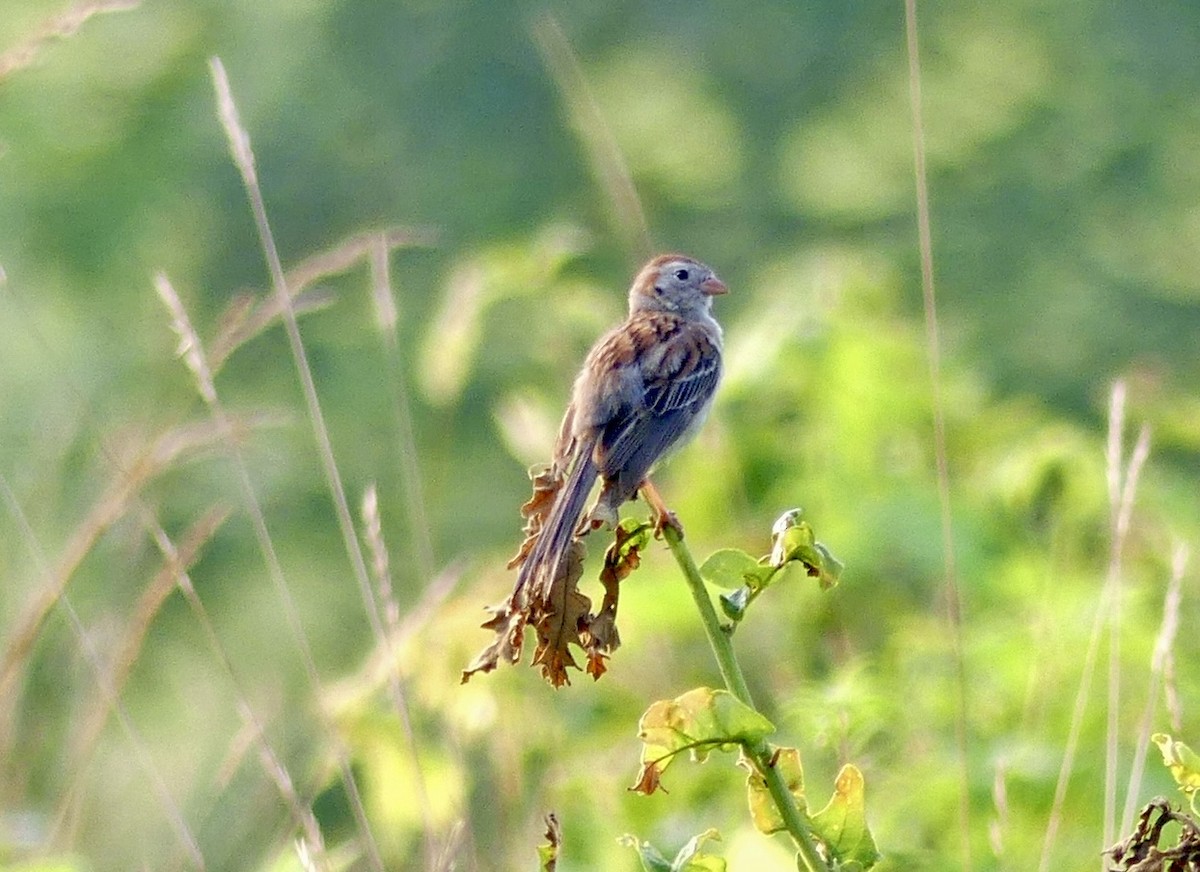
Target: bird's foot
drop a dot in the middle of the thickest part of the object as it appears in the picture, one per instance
(663, 517)
(666, 518)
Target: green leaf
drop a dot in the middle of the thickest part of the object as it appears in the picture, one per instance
(637, 534)
(1183, 763)
(652, 859)
(690, 858)
(699, 721)
(789, 533)
(763, 810)
(734, 604)
(842, 824)
(829, 568)
(730, 568)
(794, 542)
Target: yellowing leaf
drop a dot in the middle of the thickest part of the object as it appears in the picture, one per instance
(698, 721)
(1182, 761)
(763, 810)
(842, 824)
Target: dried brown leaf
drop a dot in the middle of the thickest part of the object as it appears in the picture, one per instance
(547, 482)
(596, 665)
(649, 780)
(508, 621)
(561, 614)
(1142, 851)
(561, 617)
(548, 853)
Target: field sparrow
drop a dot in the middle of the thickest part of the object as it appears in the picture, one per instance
(645, 387)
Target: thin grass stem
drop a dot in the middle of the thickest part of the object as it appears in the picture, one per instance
(190, 340)
(1158, 665)
(952, 591)
(387, 319)
(243, 155)
(603, 153)
(1122, 503)
(171, 809)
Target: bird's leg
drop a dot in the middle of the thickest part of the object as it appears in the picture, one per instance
(663, 517)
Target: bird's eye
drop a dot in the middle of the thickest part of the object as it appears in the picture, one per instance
(681, 274)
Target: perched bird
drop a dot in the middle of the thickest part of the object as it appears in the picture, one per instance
(645, 387)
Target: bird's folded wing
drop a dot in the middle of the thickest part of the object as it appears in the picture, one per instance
(673, 394)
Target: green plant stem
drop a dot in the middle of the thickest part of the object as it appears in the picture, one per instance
(731, 671)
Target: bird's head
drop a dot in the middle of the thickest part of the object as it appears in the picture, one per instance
(675, 283)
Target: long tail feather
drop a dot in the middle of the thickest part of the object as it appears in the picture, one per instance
(540, 568)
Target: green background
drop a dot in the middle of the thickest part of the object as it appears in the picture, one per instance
(773, 141)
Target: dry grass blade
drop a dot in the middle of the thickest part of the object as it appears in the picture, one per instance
(380, 561)
(113, 503)
(170, 807)
(262, 534)
(110, 506)
(387, 317)
(95, 715)
(1167, 637)
(61, 26)
(355, 250)
(952, 592)
(249, 316)
(1121, 491)
(190, 351)
(1122, 499)
(604, 155)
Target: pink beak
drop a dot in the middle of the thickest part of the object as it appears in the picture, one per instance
(713, 286)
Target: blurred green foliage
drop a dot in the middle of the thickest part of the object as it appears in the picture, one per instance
(774, 142)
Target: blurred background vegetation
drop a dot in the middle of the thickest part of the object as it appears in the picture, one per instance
(773, 141)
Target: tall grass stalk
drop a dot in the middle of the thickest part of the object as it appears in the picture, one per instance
(951, 588)
(302, 813)
(171, 808)
(193, 355)
(1121, 490)
(603, 153)
(133, 472)
(387, 321)
(243, 157)
(1162, 656)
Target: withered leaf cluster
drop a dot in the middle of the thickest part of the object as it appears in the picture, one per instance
(559, 613)
(1141, 852)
